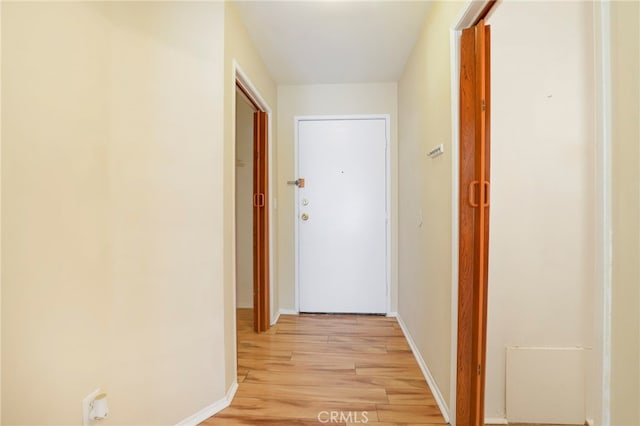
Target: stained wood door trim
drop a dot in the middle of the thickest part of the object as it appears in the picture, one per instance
(473, 13)
(247, 93)
(473, 225)
(244, 85)
(261, 311)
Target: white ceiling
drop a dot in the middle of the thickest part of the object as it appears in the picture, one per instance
(324, 41)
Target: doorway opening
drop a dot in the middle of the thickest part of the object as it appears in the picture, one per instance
(253, 292)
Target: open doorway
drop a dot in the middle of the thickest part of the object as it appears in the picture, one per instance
(252, 210)
(244, 202)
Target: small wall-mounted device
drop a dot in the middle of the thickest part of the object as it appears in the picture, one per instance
(435, 152)
(99, 408)
(94, 407)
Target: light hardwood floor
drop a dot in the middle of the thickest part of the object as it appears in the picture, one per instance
(307, 368)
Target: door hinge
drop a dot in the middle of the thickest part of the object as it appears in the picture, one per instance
(484, 105)
(479, 369)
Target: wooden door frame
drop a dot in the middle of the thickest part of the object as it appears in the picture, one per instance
(473, 224)
(474, 10)
(261, 206)
(470, 16)
(243, 83)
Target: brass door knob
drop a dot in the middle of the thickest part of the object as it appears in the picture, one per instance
(305, 216)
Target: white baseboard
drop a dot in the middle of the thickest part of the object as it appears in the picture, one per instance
(212, 409)
(288, 312)
(495, 421)
(275, 319)
(392, 314)
(425, 370)
(589, 422)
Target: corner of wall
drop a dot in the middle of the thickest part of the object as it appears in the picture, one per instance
(229, 201)
(625, 209)
(433, 385)
(212, 409)
(239, 54)
(1, 214)
(425, 244)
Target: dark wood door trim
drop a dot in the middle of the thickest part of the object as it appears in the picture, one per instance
(247, 93)
(261, 255)
(261, 315)
(466, 228)
(473, 225)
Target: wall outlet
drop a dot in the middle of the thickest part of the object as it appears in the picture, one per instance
(86, 407)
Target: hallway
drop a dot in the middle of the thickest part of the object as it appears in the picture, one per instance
(307, 368)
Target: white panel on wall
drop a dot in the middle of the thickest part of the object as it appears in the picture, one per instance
(545, 385)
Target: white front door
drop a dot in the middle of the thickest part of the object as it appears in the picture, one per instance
(342, 215)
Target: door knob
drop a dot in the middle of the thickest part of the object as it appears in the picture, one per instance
(305, 216)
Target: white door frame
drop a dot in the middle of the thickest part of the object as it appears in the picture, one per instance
(602, 297)
(241, 76)
(387, 119)
(604, 223)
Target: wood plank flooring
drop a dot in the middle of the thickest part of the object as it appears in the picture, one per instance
(308, 368)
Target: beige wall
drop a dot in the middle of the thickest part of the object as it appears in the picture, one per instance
(1, 214)
(542, 238)
(244, 202)
(424, 235)
(339, 99)
(112, 164)
(238, 48)
(625, 68)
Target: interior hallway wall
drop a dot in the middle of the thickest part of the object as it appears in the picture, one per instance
(625, 77)
(239, 49)
(0, 214)
(244, 202)
(424, 234)
(112, 217)
(542, 230)
(326, 99)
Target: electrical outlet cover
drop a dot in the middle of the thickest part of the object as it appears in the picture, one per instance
(86, 403)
